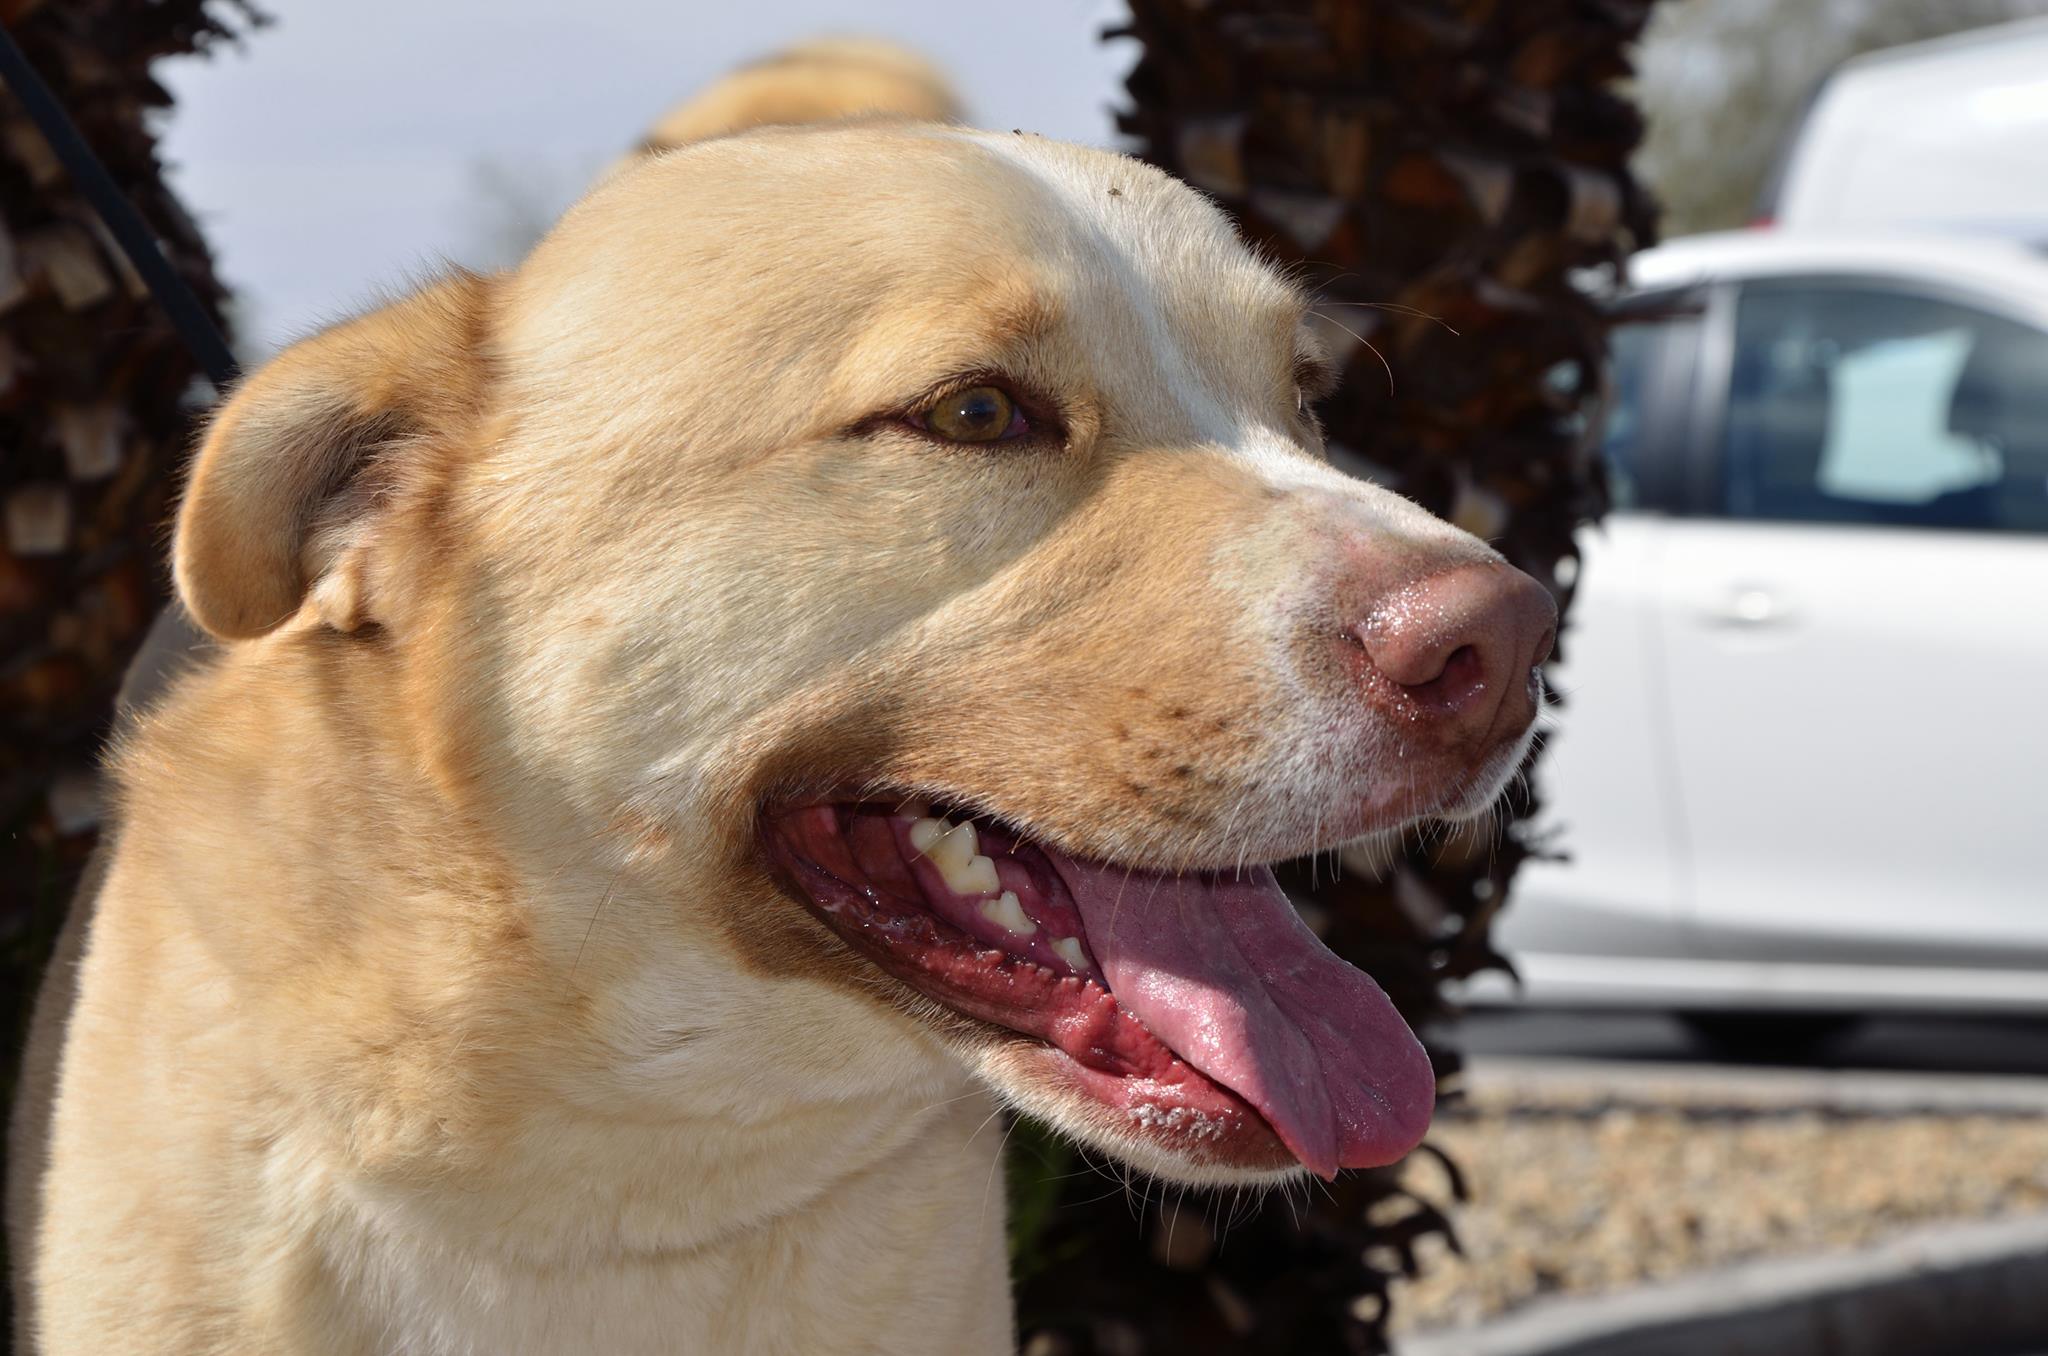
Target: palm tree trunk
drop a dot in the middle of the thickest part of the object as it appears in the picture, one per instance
(1438, 169)
(96, 409)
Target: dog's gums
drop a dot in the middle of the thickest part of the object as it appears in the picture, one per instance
(1197, 1006)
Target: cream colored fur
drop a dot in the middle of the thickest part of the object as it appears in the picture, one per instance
(438, 1001)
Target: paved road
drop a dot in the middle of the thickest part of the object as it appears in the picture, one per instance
(1888, 1066)
(2002, 1047)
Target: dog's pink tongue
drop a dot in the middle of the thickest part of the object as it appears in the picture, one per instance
(1227, 974)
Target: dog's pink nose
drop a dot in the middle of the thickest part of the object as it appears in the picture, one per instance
(1462, 643)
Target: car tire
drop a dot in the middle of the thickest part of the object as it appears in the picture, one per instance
(1764, 1036)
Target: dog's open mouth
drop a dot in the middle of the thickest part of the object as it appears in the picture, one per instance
(1198, 1005)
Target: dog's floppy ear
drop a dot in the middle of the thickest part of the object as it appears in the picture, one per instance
(299, 461)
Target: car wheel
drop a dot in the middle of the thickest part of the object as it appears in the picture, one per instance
(1768, 1035)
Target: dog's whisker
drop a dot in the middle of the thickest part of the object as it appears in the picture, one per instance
(985, 1124)
(1370, 346)
(995, 1166)
(602, 900)
(950, 1101)
(1395, 307)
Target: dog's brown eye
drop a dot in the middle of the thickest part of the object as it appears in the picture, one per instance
(979, 414)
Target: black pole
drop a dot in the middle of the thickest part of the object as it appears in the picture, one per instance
(129, 230)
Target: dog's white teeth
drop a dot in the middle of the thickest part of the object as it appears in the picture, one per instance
(978, 878)
(1069, 949)
(1006, 913)
(926, 833)
(954, 850)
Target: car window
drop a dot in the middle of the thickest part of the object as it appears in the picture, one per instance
(1865, 405)
(1631, 349)
(1652, 346)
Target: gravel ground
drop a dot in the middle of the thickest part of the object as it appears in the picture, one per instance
(1576, 1195)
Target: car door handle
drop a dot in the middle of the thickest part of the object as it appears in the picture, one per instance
(1749, 606)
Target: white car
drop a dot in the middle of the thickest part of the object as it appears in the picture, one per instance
(1952, 132)
(1802, 768)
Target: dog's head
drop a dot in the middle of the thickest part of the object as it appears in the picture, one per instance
(901, 561)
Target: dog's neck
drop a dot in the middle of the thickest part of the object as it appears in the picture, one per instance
(501, 1140)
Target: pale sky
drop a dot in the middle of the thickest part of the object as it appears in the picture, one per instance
(350, 147)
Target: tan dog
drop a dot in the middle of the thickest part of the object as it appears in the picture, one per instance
(818, 650)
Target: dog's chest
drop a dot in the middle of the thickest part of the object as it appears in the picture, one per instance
(904, 1256)
(839, 1287)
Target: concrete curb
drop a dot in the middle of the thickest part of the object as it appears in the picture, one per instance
(1949, 1290)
